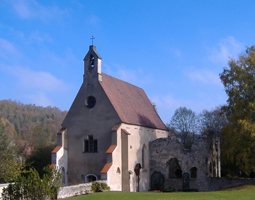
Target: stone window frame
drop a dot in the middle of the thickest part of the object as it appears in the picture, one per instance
(90, 145)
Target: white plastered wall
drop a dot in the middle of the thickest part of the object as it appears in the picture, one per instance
(62, 158)
(62, 162)
(138, 137)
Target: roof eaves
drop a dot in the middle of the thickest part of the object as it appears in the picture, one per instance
(125, 131)
(56, 149)
(106, 168)
(62, 130)
(111, 149)
(115, 127)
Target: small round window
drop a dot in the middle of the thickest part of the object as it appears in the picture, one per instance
(90, 102)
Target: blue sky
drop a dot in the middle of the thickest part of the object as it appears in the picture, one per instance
(174, 50)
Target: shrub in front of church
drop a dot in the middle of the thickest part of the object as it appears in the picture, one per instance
(99, 187)
(32, 187)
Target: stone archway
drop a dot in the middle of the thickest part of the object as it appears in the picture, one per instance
(90, 178)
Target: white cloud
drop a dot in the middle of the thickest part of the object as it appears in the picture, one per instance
(126, 75)
(168, 102)
(94, 20)
(22, 8)
(226, 48)
(39, 98)
(6, 47)
(204, 76)
(177, 52)
(40, 37)
(43, 81)
(27, 9)
(38, 87)
(136, 77)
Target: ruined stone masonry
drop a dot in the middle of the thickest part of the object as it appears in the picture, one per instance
(168, 157)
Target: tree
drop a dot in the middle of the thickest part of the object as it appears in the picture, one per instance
(10, 166)
(40, 136)
(184, 125)
(3, 138)
(213, 120)
(238, 137)
(40, 158)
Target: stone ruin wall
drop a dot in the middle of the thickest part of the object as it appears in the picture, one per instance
(204, 155)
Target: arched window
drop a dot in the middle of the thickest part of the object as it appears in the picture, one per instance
(118, 170)
(193, 172)
(143, 156)
(90, 178)
(92, 61)
(63, 175)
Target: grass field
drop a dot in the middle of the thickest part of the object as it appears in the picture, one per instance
(242, 192)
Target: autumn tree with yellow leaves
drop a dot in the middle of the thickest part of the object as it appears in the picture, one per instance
(238, 137)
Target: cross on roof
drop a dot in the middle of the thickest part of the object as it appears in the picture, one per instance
(92, 38)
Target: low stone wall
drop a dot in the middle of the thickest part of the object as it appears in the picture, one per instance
(223, 183)
(75, 190)
(2, 186)
(208, 184)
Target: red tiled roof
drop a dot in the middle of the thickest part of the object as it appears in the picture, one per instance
(111, 149)
(131, 103)
(62, 130)
(106, 168)
(125, 131)
(115, 127)
(56, 149)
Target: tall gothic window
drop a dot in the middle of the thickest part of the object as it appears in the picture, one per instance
(193, 172)
(143, 156)
(90, 145)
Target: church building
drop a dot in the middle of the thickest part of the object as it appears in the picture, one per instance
(106, 133)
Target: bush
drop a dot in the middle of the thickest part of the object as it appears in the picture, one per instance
(99, 187)
(33, 187)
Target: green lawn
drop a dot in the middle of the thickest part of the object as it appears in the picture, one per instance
(242, 192)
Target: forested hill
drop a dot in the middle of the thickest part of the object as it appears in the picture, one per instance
(30, 123)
